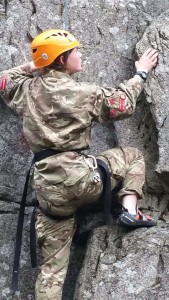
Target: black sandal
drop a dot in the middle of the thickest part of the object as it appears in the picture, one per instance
(127, 219)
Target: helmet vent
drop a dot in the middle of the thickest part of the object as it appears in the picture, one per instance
(51, 35)
(63, 34)
(59, 33)
(34, 50)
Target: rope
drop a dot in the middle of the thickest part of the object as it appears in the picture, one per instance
(66, 14)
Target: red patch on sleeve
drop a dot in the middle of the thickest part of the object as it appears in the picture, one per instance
(122, 105)
(113, 113)
(3, 84)
(112, 101)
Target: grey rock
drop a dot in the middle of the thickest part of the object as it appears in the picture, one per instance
(8, 224)
(157, 36)
(125, 265)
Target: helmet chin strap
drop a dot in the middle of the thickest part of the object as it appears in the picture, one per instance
(66, 14)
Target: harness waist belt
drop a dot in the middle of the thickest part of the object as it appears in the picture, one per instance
(50, 152)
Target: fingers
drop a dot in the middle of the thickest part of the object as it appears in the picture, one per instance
(147, 51)
(148, 60)
(152, 54)
(150, 51)
(154, 58)
(155, 62)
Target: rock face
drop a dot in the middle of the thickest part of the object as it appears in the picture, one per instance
(117, 264)
(157, 36)
(125, 265)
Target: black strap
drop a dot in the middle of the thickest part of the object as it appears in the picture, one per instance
(19, 236)
(44, 154)
(50, 152)
(33, 254)
(106, 186)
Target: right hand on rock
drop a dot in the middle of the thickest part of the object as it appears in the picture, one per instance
(147, 61)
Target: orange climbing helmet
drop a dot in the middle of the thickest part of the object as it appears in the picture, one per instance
(48, 45)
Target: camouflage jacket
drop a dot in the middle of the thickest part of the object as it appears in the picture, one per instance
(57, 111)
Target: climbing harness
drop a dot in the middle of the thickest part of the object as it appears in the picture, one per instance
(100, 172)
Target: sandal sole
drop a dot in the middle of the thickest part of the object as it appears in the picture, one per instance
(129, 223)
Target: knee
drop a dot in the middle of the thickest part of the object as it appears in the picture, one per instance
(136, 152)
(135, 156)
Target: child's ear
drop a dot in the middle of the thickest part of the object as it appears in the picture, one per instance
(62, 60)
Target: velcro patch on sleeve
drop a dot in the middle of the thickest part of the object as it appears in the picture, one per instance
(122, 105)
(111, 101)
(3, 82)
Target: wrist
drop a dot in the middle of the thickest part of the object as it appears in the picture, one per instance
(142, 69)
(142, 74)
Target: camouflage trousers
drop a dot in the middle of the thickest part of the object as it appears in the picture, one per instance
(55, 237)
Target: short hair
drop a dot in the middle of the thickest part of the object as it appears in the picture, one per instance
(57, 65)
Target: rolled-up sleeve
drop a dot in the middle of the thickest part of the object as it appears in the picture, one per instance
(112, 104)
